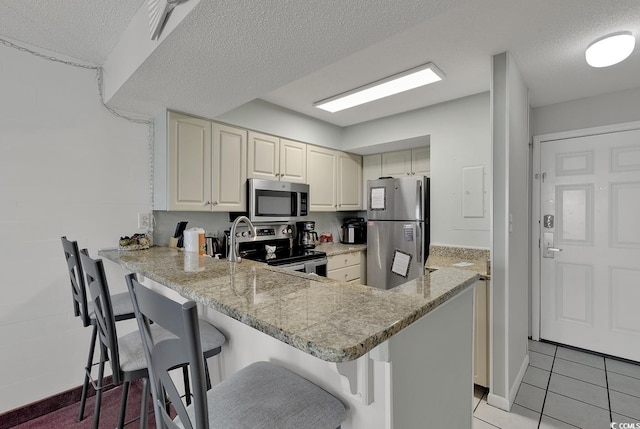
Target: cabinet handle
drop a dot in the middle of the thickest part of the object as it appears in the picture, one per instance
(408, 174)
(215, 203)
(206, 203)
(413, 173)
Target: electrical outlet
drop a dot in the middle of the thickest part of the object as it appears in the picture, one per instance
(144, 221)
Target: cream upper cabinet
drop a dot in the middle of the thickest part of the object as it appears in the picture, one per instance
(273, 158)
(293, 161)
(396, 164)
(322, 178)
(407, 163)
(263, 159)
(371, 170)
(188, 163)
(349, 181)
(421, 161)
(229, 169)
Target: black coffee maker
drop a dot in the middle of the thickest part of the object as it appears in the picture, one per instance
(306, 236)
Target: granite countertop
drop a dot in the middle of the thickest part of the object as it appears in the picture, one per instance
(334, 321)
(451, 257)
(332, 249)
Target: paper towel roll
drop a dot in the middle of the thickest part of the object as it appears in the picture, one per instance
(194, 240)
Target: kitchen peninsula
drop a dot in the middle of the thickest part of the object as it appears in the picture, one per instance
(397, 358)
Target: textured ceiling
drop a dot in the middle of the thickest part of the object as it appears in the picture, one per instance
(293, 53)
(82, 29)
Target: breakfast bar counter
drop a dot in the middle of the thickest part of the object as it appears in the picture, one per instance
(388, 354)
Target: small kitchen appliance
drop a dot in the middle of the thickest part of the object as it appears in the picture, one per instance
(306, 237)
(354, 231)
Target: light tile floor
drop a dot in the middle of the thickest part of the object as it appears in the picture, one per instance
(564, 388)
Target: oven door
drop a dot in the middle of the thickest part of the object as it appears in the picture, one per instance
(314, 266)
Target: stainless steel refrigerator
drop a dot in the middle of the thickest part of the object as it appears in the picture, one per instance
(397, 230)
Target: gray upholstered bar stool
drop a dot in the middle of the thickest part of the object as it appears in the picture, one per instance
(126, 353)
(83, 308)
(259, 396)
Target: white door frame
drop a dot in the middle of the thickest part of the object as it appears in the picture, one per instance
(535, 207)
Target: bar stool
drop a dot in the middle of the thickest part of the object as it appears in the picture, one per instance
(83, 308)
(126, 353)
(259, 396)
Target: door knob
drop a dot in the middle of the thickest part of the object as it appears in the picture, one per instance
(553, 249)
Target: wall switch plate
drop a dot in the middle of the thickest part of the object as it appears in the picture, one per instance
(144, 221)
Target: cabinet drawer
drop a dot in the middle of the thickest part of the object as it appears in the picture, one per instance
(340, 261)
(345, 274)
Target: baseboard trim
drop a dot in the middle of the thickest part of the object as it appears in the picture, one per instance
(48, 405)
(505, 403)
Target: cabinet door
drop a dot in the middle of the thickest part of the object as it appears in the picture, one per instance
(293, 161)
(421, 162)
(481, 340)
(396, 164)
(371, 170)
(263, 160)
(229, 168)
(189, 152)
(349, 182)
(321, 177)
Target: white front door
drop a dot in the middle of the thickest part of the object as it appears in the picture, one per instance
(590, 242)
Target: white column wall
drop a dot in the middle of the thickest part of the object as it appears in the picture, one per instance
(67, 167)
(510, 273)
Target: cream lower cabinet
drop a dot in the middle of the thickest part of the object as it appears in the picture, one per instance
(481, 341)
(347, 267)
(274, 158)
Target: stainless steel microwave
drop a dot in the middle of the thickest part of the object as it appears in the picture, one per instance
(274, 201)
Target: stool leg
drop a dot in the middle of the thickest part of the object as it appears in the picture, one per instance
(96, 413)
(144, 407)
(123, 404)
(87, 371)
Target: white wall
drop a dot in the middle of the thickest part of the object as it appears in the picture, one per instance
(259, 115)
(67, 167)
(607, 109)
(459, 133)
(510, 272)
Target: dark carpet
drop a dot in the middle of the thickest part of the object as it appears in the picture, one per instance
(66, 418)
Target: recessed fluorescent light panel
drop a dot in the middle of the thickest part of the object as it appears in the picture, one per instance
(610, 50)
(410, 79)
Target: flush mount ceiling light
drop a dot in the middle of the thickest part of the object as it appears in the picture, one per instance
(404, 81)
(610, 50)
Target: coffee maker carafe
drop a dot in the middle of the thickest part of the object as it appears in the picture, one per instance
(306, 237)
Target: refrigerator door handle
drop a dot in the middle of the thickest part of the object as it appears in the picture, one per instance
(419, 200)
(419, 245)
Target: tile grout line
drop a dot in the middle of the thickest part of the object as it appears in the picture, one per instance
(606, 379)
(546, 392)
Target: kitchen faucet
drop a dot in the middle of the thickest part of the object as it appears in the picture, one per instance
(233, 246)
